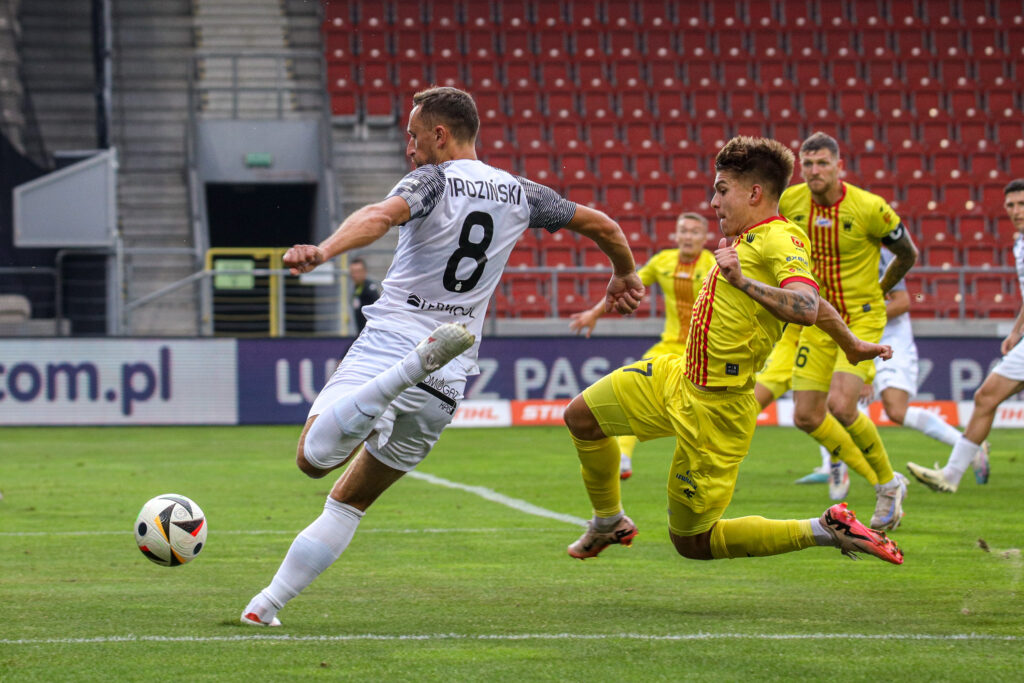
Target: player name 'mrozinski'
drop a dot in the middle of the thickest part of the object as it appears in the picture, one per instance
(508, 193)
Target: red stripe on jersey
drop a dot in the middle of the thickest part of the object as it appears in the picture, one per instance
(697, 350)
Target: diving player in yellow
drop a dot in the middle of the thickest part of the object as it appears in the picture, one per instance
(706, 399)
(679, 272)
(846, 226)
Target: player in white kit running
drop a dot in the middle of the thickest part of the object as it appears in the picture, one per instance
(895, 381)
(1005, 380)
(389, 399)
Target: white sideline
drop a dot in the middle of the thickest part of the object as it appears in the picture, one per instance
(494, 496)
(132, 638)
(290, 532)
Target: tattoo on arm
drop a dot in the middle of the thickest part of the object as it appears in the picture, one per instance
(790, 305)
(906, 256)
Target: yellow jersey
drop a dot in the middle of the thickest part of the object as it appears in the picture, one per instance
(679, 283)
(845, 240)
(731, 334)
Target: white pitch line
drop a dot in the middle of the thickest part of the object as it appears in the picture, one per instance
(494, 496)
(132, 638)
(270, 532)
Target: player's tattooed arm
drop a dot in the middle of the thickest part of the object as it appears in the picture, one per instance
(797, 302)
(902, 247)
(856, 349)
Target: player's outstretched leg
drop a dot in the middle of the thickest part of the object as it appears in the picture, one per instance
(336, 434)
(313, 550)
(850, 536)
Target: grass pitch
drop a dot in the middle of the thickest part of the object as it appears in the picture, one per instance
(441, 583)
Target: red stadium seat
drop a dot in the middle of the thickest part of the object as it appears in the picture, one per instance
(932, 228)
(981, 255)
(944, 255)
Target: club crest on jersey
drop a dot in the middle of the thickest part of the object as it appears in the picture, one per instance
(848, 224)
(750, 237)
(823, 222)
(422, 304)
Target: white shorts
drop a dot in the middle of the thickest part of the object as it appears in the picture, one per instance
(900, 371)
(1012, 364)
(412, 424)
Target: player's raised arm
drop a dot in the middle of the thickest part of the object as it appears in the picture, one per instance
(625, 290)
(361, 228)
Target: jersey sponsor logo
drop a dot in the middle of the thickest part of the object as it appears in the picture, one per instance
(422, 304)
(823, 222)
(506, 193)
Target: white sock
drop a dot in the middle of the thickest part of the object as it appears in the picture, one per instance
(348, 421)
(821, 534)
(826, 459)
(959, 460)
(313, 550)
(607, 523)
(932, 425)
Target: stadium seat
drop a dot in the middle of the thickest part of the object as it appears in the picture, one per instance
(943, 255)
(932, 228)
(973, 227)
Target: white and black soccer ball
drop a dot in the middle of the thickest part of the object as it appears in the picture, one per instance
(170, 530)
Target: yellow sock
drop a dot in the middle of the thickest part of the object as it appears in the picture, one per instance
(599, 465)
(627, 444)
(838, 441)
(865, 435)
(757, 537)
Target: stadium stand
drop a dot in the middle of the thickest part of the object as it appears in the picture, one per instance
(921, 93)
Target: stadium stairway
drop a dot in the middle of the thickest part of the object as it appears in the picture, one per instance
(153, 48)
(12, 92)
(57, 68)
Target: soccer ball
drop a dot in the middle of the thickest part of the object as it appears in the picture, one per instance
(170, 530)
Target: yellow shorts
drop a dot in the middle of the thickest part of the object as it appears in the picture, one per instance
(713, 429)
(663, 347)
(777, 373)
(818, 357)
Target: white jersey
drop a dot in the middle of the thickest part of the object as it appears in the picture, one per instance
(1018, 259)
(465, 218)
(898, 332)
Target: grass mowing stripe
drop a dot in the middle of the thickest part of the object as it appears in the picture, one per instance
(100, 640)
(494, 496)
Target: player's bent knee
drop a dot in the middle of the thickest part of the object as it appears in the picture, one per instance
(807, 421)
(306, 467)
(581, 421)
(696, 547)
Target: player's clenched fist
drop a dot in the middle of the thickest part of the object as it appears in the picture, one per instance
(303, 258)
(729, 262)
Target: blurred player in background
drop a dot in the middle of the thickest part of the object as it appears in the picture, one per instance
(846, 226)
(364, 291)
(1005, 380)
(706, 399)
(679, 273)
(389, 399)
